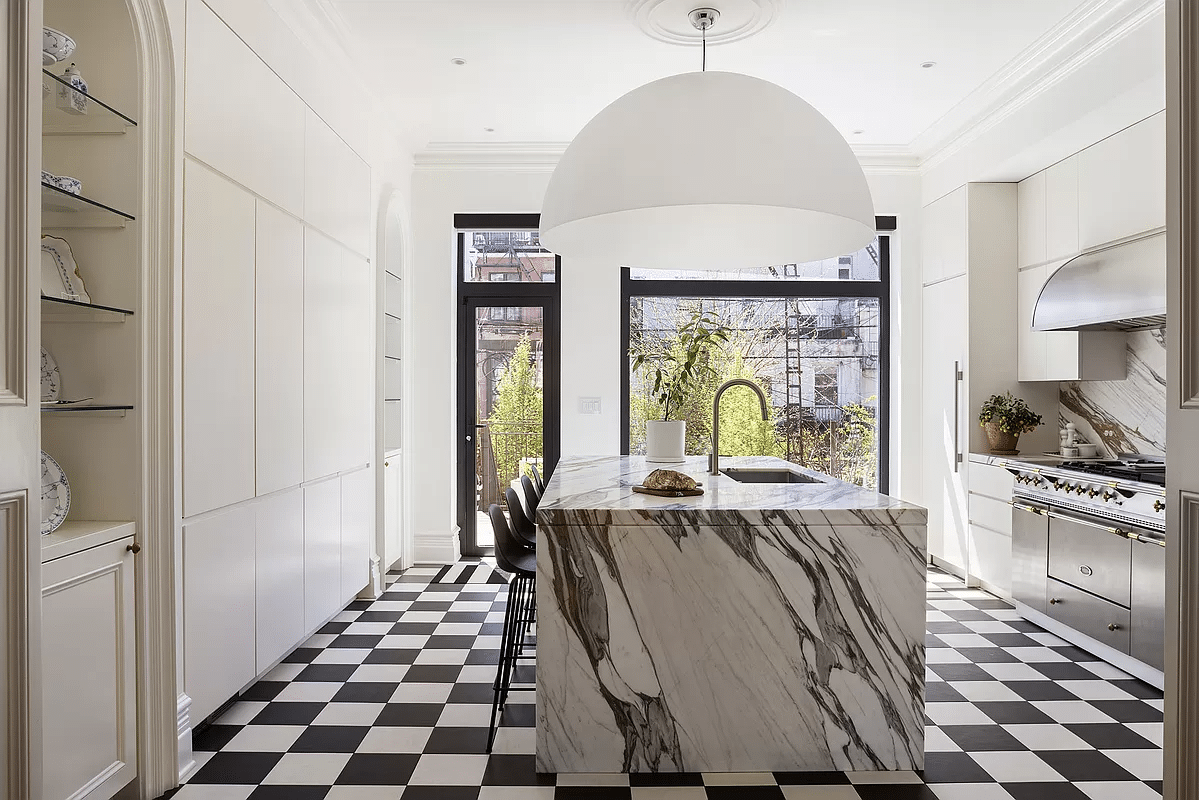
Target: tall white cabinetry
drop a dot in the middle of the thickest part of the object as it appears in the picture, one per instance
(969, 352)
(1107, 193)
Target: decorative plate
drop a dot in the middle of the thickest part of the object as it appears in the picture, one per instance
(57, 259)
(51, 380)
(56, 495)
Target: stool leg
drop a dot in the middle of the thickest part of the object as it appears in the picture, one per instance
(505, 637)
(509, 656)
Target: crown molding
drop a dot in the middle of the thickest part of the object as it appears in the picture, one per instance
(544, 156)
(1091, 29)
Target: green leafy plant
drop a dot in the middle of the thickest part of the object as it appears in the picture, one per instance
(677, 367)
(1010, 413)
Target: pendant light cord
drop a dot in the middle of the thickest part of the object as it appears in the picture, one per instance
(704, 49)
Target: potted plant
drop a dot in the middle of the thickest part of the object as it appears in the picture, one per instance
(1005, 417)
(674, 368)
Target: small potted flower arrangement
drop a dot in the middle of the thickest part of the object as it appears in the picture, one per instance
(1005, 417)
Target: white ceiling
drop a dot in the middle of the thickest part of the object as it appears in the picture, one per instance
(538, 70)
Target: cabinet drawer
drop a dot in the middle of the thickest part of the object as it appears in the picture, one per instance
(1093, 616)
(1091, 559)
(993, 481)
(1149, 604)
(990, 513)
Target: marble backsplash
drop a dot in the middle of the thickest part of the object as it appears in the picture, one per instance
(1127, 416)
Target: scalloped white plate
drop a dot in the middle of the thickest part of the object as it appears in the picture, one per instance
(51, 380)
(57, 260)
(56, 495)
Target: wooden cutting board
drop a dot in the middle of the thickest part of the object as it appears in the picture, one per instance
(696, 492)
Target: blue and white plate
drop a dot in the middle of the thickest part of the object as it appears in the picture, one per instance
(51, 380)
(56, 495)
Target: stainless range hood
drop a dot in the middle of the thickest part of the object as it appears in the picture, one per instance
(1119, 288)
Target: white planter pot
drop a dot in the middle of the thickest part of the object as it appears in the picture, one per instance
(664, 441)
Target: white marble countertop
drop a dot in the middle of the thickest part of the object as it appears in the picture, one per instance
(602, 485)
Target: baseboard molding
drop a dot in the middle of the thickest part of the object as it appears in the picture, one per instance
(374, 589)
(436, 547)
(187, 759)
(952, 569)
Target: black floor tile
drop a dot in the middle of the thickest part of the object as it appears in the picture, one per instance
(946, 627)
(465, 741)
(334, 628)
(413, 628)
(409, 715)
(378, 769)
(326, 673)
(666, 779)
(1064, 671)
(1085, 765)
(465, 616)
(483, 657)
(1010, 640)
(520, 770)
(961, 672)
(444, 642)
(982, 738)
(213, 737)
(356, 641)
(593, 793)
(263, 691)
(271, 792)
(988, 655)
(302, 655)
(1040, 690)
(432, 673)
(895, 791)
(330, 739)
(744, 793)
(431, 605)
(380, 616)
(1139, 689)
(1044, 791)
(365, 692)
(1075, 653)
(1128, 710)
(953, 768)
(239, 768)
(970, 615)
(520, 715)
(1110, 736)
(471, 693)
(811, 778)
(941, 692)
(1014, 713)
(389, 656)
(440, 793)
(288, 714)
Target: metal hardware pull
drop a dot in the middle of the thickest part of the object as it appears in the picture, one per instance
(134, 548)
(958, 377)
(1113, 626)
(1116, 531)
(1029, 509)
(1053, 601)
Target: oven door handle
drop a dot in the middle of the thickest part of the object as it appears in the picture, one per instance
(1029, 509)
(1089, 524)
(1148, 538)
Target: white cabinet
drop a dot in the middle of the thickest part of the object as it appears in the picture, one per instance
(322, 552)
(1032, 220)
(279, 576)
(1122, 184)
(991, 526)
(944, 237)
(1063, 355)
(392, 527)
(1061, 209)
(89, 720)
(357, 529)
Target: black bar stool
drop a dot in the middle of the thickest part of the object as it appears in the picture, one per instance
(523, 528)
(540, 484)
(518, 613)
(532, 496)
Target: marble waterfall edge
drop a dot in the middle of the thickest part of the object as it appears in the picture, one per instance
(717, 638)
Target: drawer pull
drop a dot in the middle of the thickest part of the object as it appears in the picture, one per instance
(1089, 524)
(1053, 601)
(1113, 626)
(134, 548)
(1085, 570)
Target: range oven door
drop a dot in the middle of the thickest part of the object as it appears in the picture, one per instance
(1030, 553)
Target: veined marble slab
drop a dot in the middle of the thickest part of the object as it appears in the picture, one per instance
(713, 637)
(602, 485)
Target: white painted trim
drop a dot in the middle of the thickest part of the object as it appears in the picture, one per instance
(1092, 29)
(183, 728)
(1123, 661)
(14, 315)
(436, 547)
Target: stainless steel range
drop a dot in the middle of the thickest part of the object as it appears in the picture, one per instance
(1088, 556)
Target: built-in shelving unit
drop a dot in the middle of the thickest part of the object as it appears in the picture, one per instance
(61, 209)
(101, 118)
(73, 537)
(101, 408)
(109, 313)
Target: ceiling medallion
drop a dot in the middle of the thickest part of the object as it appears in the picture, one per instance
(668, 20)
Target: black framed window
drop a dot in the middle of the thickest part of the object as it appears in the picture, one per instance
(814, 337)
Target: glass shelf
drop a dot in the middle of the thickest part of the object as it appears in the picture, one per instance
(65, 210)
(77, 311)
(101, 118)
(86, 409)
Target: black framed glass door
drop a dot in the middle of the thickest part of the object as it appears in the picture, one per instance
(508, 334)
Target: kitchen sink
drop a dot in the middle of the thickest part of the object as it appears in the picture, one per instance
(746, 475)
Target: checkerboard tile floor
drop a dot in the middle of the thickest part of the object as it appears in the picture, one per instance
(391, 700)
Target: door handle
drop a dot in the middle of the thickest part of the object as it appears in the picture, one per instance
(958, 376)
(1089, 524)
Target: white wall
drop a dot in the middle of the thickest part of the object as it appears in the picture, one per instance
(591, 335)
(281, 174)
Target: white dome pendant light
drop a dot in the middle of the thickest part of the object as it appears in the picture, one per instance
(708, 170)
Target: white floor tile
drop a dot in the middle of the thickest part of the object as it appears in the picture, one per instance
(264, 739)
(1105, 670)
(739, 779)
(341, 655)
(390, 605)
(379, 673)
(1153, 731)
(458, 628)
(452, 657)
(424, 616)
(938, 616)
(1095, 690)
(1117, 790)
(970, 791)
(368, 629)
(951, 605)
(241, 713)
(465, 715)
(1046, 737)
(1159, 704)
(1069, 712)
(870, 778)
(1007, 767)
(365, 793)
(592, 779)
(985, 691)
(842, 792)
(1145, 764)
(932, 677)
(936, 741)
(989, 626)
(514, 793)
(310, 769)
(402, 642)
(1047, 639)
(284, 672)
(956, 714)
(349, 714)
(346, 616)
(472, 606)
(515, 741)
(964, 640)
(449, 770)
(670, 793)
(944, 655)
(479, 673)
(422, 693)
(308, 692)
(200, 791)
(1005, 614)
(395, 740)
(1036, 655)
(1013, 672)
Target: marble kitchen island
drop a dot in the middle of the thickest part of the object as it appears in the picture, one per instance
(759, 627)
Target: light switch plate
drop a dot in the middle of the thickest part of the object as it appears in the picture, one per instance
(589, 405)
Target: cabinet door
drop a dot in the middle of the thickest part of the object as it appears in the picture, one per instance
(89, 725)
(391, 511)
(1061, 209)
(1031, 220)
(945, 435)
(1030, 554)
(1122, 184)
(357, 531)
(1149, 604)
(1030, 344)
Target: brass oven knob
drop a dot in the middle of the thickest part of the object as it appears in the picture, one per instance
(1080, 489)
(1108, 496)
(1093, 492)
(1158, 505)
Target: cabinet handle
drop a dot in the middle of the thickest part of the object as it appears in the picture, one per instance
(1053, 601)
(1113, 626)
(134, 548)
(958, 376)
(387, 463)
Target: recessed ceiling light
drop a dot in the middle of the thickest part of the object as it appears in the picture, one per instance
(458, 62)
(928, 64)
(490, 130)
